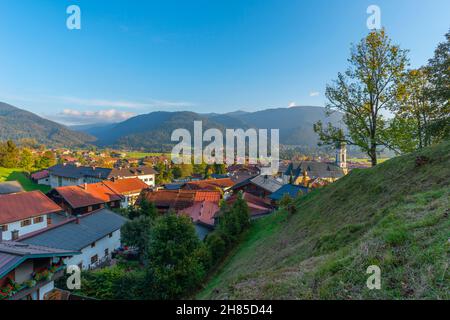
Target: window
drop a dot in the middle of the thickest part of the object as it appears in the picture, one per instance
(110, 235)
(94, 259)
(93, 245)
(89, 208)
(38, 219)
(4, 228)
(25, 223)
(106, 252)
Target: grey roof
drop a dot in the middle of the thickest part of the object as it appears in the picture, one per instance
(72, 236)
(131, 172)
(10, 187)
(76, 172)
(267, 183)
(314, 169)
(173, 186)
(13, 253)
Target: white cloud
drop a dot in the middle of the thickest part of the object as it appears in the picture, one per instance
(104, 103)
(71, 116)
(314, 94)
(292, 104)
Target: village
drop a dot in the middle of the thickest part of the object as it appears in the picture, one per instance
(75, 214)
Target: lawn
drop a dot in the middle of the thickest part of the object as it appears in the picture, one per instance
(366, 160)
(140, 155)
(7, 174)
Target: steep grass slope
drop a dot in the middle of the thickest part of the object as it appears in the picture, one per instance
(395, 215)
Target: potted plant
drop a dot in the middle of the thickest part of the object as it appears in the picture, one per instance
(30, 283)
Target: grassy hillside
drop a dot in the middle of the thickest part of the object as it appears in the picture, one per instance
(18, 175)
(395, 216)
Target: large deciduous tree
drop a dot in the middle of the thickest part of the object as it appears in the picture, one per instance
(369, 88)
(439, 76)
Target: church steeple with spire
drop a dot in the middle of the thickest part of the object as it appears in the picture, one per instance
(341, 156)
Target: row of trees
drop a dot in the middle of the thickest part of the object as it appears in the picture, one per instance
(168, 172)
(173, 261)
(12, 156)
(385, 105)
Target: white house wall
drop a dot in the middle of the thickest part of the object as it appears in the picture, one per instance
(106, 242)
(6, 235)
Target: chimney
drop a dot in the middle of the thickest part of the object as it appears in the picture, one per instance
(85, 186)
(14, 235)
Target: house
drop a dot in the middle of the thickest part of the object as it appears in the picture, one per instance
(261, 186)
(179, 200)
(304, 172)
(146, 174)
(223, 184)
(26, 212)
(28, 272)
(41, 177)
(8, 187)
(202, 212)
(290, 189)
(62, 175)
(240, 172)
(95, 236)
(128, 189)
(85, 198)
(257, 206)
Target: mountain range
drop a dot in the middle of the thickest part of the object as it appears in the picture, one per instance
(16, 124)
(152, 131)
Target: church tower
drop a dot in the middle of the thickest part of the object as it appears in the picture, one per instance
(341, 156)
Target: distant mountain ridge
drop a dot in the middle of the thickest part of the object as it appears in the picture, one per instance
(152, 131)
(16, 124)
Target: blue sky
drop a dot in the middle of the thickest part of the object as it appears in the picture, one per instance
(133, 57)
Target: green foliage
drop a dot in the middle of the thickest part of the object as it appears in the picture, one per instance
(26, 160)
(136, 233)
(101, 284)
(285, 201)
(9, 154)
(233, 221)
(48, 159)
(370, 86)
(217, 245)
(143, 209)
(174, 258)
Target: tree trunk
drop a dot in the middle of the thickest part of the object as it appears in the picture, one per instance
(373, 155)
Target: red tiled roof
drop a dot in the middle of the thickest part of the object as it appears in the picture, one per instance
(87, 195)
(203, 211)
(256, 205)
(40, 175)
(180, 199)
(126, 186)
(24, 205)
(211, 184)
